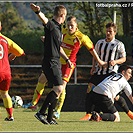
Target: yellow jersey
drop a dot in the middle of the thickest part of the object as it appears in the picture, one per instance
(72, 43)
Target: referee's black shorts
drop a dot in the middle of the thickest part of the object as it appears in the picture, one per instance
(52, 71)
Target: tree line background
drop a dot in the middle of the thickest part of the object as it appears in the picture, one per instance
(22, 25)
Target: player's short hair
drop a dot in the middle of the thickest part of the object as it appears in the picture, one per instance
(60, 9)
(72, 17)
(123, 67)
(112, 24)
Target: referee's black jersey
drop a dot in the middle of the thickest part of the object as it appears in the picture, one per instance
(53, 40)
(108, 51)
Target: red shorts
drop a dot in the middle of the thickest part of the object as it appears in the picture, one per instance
(67, 72)
(5, 80)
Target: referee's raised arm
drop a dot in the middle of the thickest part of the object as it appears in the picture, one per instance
(37, 10)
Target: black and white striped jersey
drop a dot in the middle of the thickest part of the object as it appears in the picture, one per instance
(112, 85)
(108, 51)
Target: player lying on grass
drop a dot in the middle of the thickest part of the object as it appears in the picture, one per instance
(103, 95)
(113, 51)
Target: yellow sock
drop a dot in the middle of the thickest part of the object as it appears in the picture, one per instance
(8, 105)
(37, 93)
(60, 101)
(7, 102)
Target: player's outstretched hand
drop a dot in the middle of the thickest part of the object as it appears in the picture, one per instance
(34, 7)
(103, 64)
(11, 57)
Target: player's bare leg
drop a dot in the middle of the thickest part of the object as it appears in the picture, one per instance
(7, 104)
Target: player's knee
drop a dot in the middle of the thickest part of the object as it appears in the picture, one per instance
(42, 79)
(58, 89)
(4, 94)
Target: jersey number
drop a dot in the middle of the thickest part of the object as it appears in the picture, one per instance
(1, 52)
(116, 77)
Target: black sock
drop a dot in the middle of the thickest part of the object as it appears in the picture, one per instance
(51, 110)
(107, 117)
(122, 103)
(51, 97)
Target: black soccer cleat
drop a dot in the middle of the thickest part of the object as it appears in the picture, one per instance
(9, 119)
(53, 122)
(95, 116)
(41, 118)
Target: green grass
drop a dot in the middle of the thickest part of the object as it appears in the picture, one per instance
(69, 121)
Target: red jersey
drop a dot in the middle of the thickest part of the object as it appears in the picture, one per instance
(4, 63)
(7, 46)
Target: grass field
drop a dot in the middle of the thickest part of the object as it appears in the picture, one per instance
(68, 122)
